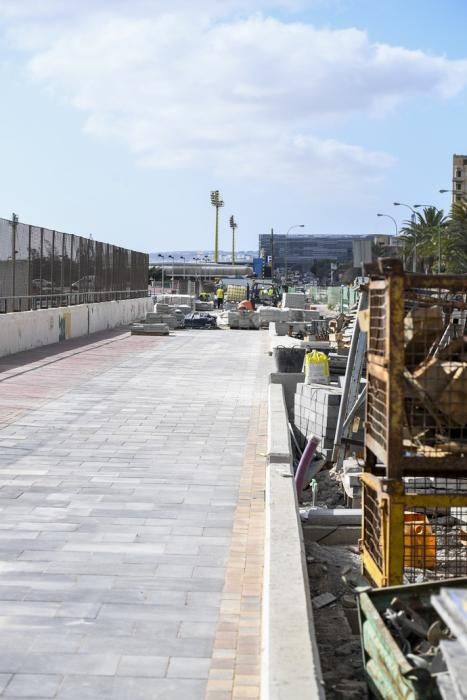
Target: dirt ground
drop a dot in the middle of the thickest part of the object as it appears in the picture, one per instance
(336, 624)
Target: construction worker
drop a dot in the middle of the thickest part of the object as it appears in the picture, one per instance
(220, 297)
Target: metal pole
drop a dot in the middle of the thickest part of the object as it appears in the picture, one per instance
(14, 223)
(414, 244)
(233, 244)
(272, 253)
(216, 236)
(439, 250)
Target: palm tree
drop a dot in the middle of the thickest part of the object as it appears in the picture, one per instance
(424, 237)
(456, 253)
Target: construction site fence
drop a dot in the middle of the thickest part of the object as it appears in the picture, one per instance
(340, 298)
(39, 262)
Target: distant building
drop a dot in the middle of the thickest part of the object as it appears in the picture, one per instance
(459, 178)
(302, 251)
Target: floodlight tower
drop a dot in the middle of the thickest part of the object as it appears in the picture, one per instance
(216, 202)
(233, 226)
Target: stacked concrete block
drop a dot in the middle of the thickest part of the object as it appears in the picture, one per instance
(316, 409)
(248, 320)
(149, 329)
(176, 300)
(278, 328)
(157, 317)
(293, 300)
(161, 308)
(204, 305)
(269, 314)
(351, 471)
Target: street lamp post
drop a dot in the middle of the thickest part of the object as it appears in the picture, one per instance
(171, 257)
(233, 226)
(216, 202)
(163, 281)
(401, 204)
(393, 219)
(287, 248)
(182, 257)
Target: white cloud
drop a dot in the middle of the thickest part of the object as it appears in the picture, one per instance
(218, 88)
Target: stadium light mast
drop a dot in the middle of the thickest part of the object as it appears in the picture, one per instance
(216, 202)
(233, 226)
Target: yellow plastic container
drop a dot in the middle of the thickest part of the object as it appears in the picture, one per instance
(419, 542)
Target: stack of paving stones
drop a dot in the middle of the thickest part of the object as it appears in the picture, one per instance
(177, 300)
(351, 471)
(293, 300)
(269, 314)
(149, 329)
(247, 320)
(163, 313)
(204, 305)
(316, 409)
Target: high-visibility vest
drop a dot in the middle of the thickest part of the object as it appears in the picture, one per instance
(220, 293)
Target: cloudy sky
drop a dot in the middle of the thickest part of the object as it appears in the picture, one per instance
(118, 117)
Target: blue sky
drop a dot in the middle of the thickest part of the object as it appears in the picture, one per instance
(118, 118)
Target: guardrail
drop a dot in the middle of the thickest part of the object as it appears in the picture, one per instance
(50, 301)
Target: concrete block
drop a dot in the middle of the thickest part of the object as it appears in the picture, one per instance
(293, 300)
(280, 328)
(279, 444)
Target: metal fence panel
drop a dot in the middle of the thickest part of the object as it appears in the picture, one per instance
(41, 267)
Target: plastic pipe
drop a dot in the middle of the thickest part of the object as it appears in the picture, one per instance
(304, 464)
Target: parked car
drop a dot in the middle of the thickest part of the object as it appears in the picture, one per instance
(84, 284)
(38, 285)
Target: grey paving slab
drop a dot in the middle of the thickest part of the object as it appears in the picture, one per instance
(117, 500)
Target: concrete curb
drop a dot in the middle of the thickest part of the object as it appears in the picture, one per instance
(290, 665)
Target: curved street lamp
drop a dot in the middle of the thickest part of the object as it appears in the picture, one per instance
(287, 247)
(393, 219)
(171, 257)
(163, 281)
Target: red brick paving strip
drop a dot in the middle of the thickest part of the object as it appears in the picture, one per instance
(235, 666)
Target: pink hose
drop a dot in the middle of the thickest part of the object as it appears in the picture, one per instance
(303, 465)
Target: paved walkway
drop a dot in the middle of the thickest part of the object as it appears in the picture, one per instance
(131, 517)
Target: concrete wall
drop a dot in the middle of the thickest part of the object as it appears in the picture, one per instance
(290, 666)
(31, 329)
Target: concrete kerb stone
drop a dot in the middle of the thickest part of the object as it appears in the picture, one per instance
(290, 665)
(279, 444)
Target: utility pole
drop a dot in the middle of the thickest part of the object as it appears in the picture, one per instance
(233, 226)
(272, 254)
(216, 202)
(14, 224)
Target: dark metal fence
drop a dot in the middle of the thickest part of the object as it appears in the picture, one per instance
(39, 267)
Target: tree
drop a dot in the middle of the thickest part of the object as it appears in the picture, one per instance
(425, 239)
(456, 245)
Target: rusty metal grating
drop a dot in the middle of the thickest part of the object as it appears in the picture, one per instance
(377, 322)
(435, 537)
(435, 373)
(372, 525)
(376, 410)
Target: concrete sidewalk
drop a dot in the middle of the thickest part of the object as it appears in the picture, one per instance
(131, 516)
